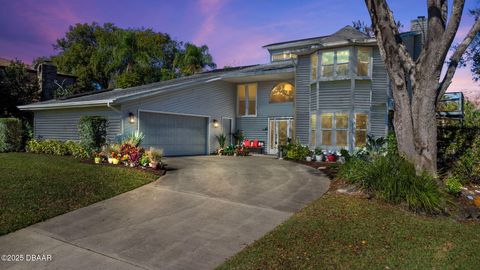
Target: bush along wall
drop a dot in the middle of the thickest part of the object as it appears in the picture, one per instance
(11, 135)
(58, 148)
(92, 131)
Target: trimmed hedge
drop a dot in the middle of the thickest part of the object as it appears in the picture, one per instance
(92, 131)
(11, 135)
(58, 148)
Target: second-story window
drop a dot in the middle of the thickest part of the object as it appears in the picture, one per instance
(335, 63)
(313, 66)
(281, 56)
(363, 62)
(247, 99)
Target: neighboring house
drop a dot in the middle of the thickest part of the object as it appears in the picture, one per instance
(327, 92)
(48, 78)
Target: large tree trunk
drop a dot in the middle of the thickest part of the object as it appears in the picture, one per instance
(415, 110)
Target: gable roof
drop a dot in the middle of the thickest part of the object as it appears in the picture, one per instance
(345, 34)
(113, 96)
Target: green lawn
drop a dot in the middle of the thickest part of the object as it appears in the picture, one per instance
(37, 187)
(344, 232)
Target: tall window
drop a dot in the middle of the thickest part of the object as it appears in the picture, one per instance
(247, 99)
(335, 63)
(313, 66)
(313, 128)
(361, 125)
(334, 129)
(363, 61)
(281, 56)
(282, 92)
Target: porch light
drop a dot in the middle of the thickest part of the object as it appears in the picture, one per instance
(215, 123)
(131, 118)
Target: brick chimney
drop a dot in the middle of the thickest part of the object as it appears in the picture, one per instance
(47, 74)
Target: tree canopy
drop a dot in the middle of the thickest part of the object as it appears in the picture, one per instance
(17, 87)
(107, 56)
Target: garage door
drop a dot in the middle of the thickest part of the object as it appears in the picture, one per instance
(177, 135)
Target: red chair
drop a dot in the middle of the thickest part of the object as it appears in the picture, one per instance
(246, 143)
(255, 143)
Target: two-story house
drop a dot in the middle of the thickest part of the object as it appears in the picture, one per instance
(328, 92)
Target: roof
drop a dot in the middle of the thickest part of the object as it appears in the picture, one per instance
(346, 33)
(113, 96)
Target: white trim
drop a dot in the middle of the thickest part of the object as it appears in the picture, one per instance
(246, 99)
(290, 125)
(182, 114)
(231, 127)
(77, 104)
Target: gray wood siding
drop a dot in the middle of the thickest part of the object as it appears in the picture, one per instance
(379, 111)
(62, 124)
(302, 98)
(334, 95)
(254, 127)
(215, 99)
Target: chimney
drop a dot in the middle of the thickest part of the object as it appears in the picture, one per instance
(47, 74)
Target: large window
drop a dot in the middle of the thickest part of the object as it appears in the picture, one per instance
(281, 56)
(334, 129)
(335, 63)
(282, 92)
(363, 62)
(247, 99)
(361, 126)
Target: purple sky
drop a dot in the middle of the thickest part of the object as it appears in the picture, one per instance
(234, 30)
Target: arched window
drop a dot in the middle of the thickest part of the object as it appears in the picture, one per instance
(282, 92)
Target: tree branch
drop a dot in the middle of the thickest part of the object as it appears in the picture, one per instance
(388, 37)
(456, 57)
(453, 23)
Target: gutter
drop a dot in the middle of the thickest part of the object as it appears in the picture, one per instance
(65, 105)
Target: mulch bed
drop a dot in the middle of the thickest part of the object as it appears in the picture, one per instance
(329, 168)
(159, 172)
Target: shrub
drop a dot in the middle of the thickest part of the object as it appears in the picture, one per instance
(297, 152)
(229, 150)
(394, 179)
(453, 185)
(92, 131)
(11, 135)
(155, 155)
(52, 147)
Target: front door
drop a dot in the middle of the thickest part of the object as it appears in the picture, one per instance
(280, 130)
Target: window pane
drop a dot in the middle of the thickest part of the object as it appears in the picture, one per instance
(313, 120)
(341, 120)
(360, 138)
(343, 56)
(327, 58)
(327, 120)
(282, 92)
(241, 99)
(342, 70)
(361, 121)
(363, 61)
(327, 71)
(341, 138)
(252, 99)
(326, 137)
(313, 140)
(313, 66)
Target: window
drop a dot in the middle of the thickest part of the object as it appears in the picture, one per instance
(363, 62)
(361, 125)
(247, 99)
(282, 92)
(281, 56)
(334, 129)
(313, 66)
(313, 128)
(335, 63)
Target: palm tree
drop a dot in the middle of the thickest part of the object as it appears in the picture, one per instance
(193, 59)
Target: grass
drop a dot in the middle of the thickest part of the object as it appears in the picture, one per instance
(36, 187)
(347, 232)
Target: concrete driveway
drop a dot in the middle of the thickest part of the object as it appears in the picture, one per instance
(202, 212)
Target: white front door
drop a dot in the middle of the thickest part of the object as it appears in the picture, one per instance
(280, 130)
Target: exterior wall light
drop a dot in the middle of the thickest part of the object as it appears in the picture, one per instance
(131, 118)
(215, 123)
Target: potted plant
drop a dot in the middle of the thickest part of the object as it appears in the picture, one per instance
(221, 142)
(144, 160)
(155, 157)
(318, 154)
(97, 157)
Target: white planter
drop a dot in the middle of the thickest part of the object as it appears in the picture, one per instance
(110, 160)
(318, 158)
(308, 159)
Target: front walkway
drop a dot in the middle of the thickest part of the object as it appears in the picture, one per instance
(199, 214)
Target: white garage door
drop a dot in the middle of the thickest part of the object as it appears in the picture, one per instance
(177, 135)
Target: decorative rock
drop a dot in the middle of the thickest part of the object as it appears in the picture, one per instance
(472, 212)
(322, 168)
(477, 191)
(470, 197)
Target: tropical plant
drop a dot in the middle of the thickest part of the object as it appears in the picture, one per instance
(135, 138)
(221, 140)
(193, 59)
(155, 154)
(238, 136)
(375, 146)
(229, 150)
(453, 185)
(297, 152)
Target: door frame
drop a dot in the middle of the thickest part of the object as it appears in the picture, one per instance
(207, 149)
(269, 150)
(231, 127)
